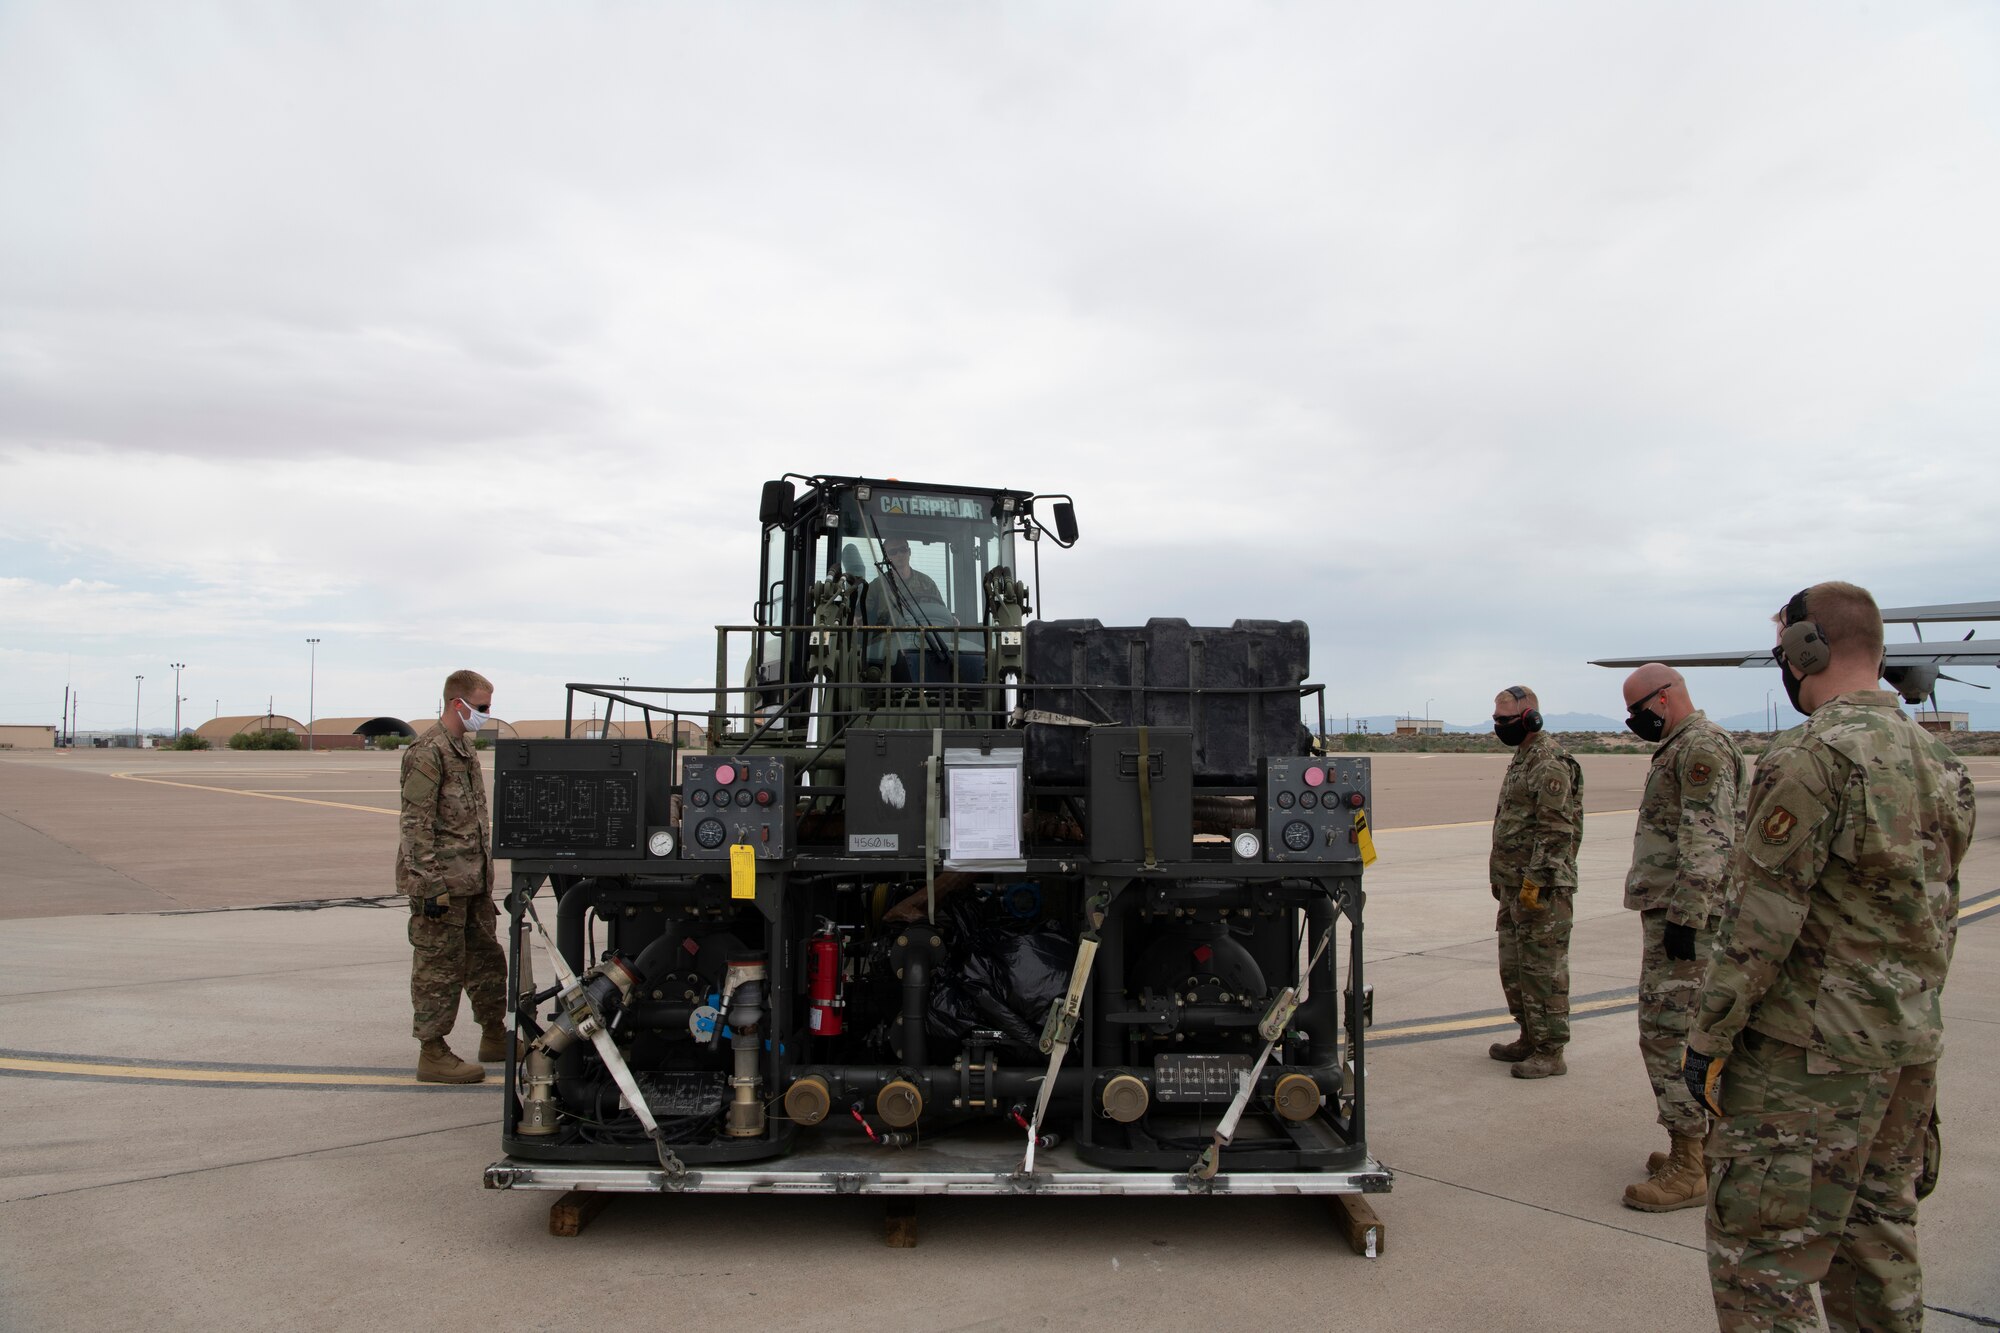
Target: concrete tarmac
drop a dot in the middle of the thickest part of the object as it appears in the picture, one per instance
(210, 1118)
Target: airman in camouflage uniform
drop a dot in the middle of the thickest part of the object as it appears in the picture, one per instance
(1823, 993)
(445, 865)
(1686, 830)
(1536, 828)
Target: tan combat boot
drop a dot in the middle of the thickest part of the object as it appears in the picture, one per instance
(436, 1064)
(1680, 1182)
(1513, 1052)
(493, 1044)
(1542, 1064)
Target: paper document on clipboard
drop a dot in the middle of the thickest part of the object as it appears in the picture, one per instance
(985, 805)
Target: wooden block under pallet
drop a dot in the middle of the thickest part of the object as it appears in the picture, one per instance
(1357, 1221)
(899, 1225)
(570, 1214)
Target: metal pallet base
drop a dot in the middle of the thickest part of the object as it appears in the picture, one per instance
(957, 1169)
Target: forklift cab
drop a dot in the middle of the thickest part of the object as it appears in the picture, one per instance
(907, 566)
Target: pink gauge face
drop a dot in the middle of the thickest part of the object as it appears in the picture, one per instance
(725, 773)
(1315, 777)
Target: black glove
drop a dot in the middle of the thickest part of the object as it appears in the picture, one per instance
(438, 906)
(1679, 942)
(1703, 1076)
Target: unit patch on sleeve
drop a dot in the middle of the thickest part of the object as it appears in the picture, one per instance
(1778, 825)
(1699, 774)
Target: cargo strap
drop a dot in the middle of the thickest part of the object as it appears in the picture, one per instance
(1021, 717)
(1272, 1026)
(614, 1061)
(1060, 1029)
(1146, 799)
(933, 776)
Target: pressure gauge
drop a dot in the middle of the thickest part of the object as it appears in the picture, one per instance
(710, 833)
(1248, 845)
(661, 843)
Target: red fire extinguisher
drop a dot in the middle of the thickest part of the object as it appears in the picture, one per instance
(823, 984)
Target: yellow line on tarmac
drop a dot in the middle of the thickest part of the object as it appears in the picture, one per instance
(260, 795)
(1495, 1020)
(1480, 823)
(202, 1075)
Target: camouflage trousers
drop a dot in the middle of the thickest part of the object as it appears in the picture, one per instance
(1813, 1176)
(1534, 965)
(1669, 991)
(456, 952)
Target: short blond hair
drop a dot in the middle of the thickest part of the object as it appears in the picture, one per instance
(461, 683)
(1520, 694)
(1847, 616)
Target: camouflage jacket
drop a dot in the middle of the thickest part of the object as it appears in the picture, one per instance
(1687, 822)
(1539, 821)
(444, 847)
(1845, 892)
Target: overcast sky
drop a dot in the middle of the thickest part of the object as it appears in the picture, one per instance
(1484, 338)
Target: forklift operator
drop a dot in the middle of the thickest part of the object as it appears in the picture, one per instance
(900, 595)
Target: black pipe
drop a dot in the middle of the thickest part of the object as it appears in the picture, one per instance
(916, 1004)
(1320, 1014)
(939, 1085)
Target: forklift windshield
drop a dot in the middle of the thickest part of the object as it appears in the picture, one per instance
(923, 557)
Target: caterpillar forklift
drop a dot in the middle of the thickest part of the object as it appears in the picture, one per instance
(926, 895)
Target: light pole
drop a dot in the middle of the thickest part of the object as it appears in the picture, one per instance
(1427, 710)
(138, 683)
(312, 683)
(178, 668)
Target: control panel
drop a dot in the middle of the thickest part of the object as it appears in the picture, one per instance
(1307, 808)
(732, 799)
(562, 799)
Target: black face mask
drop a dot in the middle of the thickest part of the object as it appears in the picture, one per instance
(1792, 684)
(1644, 722)
(1512, 731)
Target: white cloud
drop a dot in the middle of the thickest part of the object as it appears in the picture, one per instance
(1484, 339)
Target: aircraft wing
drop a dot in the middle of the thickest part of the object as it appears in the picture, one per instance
(1942, 613)
(1964, 652)
(1748, 657)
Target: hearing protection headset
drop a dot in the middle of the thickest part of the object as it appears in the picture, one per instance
(1530, 718)
(1802, 642)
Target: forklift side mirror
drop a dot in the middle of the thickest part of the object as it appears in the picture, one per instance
(775, 506)
(1065, 522)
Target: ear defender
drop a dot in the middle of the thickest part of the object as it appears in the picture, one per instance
(1530, 718)
(1802, 641)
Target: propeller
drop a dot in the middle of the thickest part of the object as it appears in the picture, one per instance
(1918, 684)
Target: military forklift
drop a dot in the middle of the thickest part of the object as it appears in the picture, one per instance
(926, 895)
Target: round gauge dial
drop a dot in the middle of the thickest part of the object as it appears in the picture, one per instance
(698, 797)
(1248, 845)
(1298, 835)
(710, 833)
(1308, 801)
(661, 843)
(1286, 800)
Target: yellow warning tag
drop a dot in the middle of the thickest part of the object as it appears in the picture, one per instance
(1363, 838)
(743, 871)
